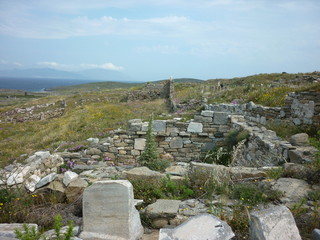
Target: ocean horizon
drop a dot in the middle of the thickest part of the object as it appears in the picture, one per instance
(38, 84)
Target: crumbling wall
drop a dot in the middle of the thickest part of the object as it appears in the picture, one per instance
(300, 108)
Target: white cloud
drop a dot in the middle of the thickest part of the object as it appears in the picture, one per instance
(60, 66)
(9, 63)
(106, 66)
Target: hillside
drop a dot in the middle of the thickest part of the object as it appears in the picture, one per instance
(228, 160)
(96, 86)
(89, 109)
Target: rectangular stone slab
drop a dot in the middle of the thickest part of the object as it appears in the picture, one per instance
(109, 212)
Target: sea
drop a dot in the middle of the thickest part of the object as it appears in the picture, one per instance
(38, 84)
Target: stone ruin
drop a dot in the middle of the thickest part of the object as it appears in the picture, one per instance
(109, 212)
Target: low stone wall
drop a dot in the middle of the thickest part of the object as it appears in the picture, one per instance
(184, 141)
(152, 91)
(301, 108)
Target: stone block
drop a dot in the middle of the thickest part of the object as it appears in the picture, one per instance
(139, 143)
(220, 118)
(159, 126)
(273, 223)
(293, 189)
(68, 177)
(135, 127)
(163, 208)
(135, 152)
(47, 179)
(207, 113)
(176, 142)
(109, 212)
(75, 189)
(300, 139)
(194, 127)
(32, 182)
(204, 226)
(316, 234)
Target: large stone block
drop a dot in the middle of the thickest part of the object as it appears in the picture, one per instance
(176, 142)
(163, 208)
(159, 125)
(109, 212)
(195, 127)
(201, 227)
(220, 118)
(300, 139)
(273, 223)
(139, 143)
(293, 189)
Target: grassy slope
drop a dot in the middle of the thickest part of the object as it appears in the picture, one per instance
(104, 110)
(96, 86)
(265, 89)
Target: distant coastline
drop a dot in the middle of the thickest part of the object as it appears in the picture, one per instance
(37, 84)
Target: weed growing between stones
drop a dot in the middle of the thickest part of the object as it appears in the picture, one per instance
(315, 141)
(225, 155)
(307, 220)
(32, 234)
(275, 173)
(150, 156)
(165, 188)
(15, 204)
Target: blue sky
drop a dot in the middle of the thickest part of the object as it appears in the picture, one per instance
(150, 40)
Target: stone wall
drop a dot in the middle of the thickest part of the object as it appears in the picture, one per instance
(300, 108)
(184, 141)
(152, 91)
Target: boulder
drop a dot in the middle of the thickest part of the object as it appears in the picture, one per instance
(68, 177)
(32, 182)
(47, 179)
(273, 223)
(75, 189)
(177, 170)
(18, 175)
(201, 227)
(143, 173)
(163, 208)
(300, 139)
(238, 173)
(316, 234)
(293, 189)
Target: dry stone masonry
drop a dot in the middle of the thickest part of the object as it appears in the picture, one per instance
(300, 108)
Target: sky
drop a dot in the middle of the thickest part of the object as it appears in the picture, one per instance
(149, 40)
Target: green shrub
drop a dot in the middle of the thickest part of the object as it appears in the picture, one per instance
(248, 193)
(165, 188)
(275, 173)
(32, 234)
(234, 137)
(28, 233)
(150, 156)
(218, 155)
